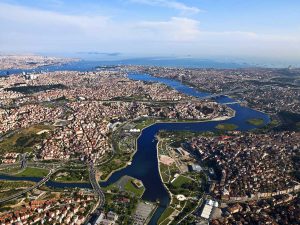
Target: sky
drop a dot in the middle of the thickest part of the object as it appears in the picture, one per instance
(262, 29)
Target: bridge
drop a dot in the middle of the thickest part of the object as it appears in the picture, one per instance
(19, 194)
(224, 93)
(232, 103)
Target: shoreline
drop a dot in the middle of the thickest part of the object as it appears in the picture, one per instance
(127, 163)
(216, 119)
(169, 192)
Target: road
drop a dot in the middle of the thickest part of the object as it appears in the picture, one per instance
(224, 93)
(95, 212)
(23, 161)
(19, 194)
(95, 185)
(21, 165)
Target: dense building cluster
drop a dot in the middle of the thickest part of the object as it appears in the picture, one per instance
(284, 209)
(82, 106)
(29, 61)
(26, 115)
(249, 177)
(87, 129)
(103, 86)
(269, 90)
(52, 211)
(273, 99)
(89, 86)
(250, 165)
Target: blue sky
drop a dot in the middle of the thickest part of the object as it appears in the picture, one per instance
(266, 29)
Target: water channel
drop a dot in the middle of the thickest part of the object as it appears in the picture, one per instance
(144, 165)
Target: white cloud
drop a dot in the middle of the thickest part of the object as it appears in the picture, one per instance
(29, 29)
(170, 4)
(176, 29)
(39, 21)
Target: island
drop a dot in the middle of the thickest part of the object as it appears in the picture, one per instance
(226, 126)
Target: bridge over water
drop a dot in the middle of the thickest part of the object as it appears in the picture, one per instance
(224, 93)
(19, 194)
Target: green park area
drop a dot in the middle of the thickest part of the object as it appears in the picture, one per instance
(35, 88)
(256, 122)
(71, 176)
(126, 184)
(33, 172)
(226, 126)
(183, 185)
(22, 141)
(188, 207)
(165, 172)
(124, 147)
(164, 217)
(118, 161)
(180, 180)
(123, 204)
(132, 188)
(141, 124)
(275, 123)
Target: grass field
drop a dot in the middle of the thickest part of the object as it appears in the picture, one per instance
(274, 123)
(116, 163)
(166, 222)
(33, 172)
(145, 123)
(256, 121)
(71, 176)
(165, 215)
(23, 140)
(226, 126)
(180, 180)
(111, 187)
(188, 207)
(130, 187)
(164, 170)
(125, 184)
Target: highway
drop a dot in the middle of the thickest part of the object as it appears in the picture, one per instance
(95, 212)
(19, 194)
(23, 161)
(95, 185)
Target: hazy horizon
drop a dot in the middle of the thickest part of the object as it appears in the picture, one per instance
(233, 30)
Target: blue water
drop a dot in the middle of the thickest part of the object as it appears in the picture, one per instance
(49, 183)
(145, 164)
(89, 65)
(80, 66)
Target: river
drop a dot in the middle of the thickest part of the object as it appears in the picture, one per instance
(144, 165)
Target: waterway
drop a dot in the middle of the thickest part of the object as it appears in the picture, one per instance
(90, 64)
(144, 165)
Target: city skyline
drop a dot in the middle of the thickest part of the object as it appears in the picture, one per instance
(142, 28)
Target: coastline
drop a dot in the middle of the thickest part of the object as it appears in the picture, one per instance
(225, 118)
(169, 192)
(207, 91)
